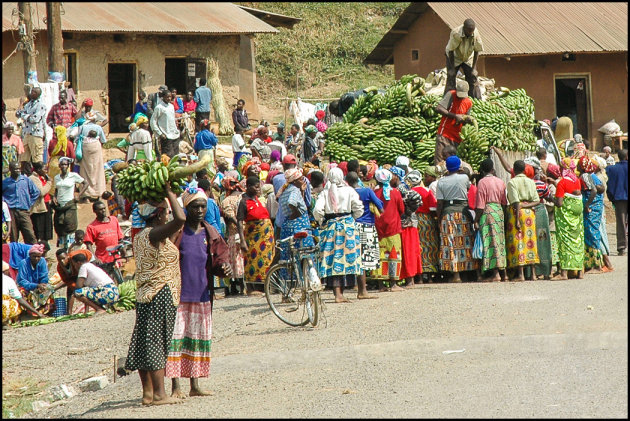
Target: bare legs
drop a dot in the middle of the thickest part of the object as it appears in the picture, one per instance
(362, 290)
(195, 389)
(153, 392)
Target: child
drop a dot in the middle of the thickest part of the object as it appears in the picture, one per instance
(112, 204)
(78, 244)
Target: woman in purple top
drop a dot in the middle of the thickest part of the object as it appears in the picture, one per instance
(202, 254)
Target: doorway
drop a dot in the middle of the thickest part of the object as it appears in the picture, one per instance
(121, 92)
(70, 69)
(175, 74)
(573, 101)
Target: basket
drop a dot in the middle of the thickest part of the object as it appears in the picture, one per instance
(60, 307)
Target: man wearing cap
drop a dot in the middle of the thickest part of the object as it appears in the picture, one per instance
(164, 125)
(462, 52)
(34, 116)
(454, 107)
(154, 99)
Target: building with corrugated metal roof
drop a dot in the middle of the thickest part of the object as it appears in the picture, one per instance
(114, 50)
(572, 58)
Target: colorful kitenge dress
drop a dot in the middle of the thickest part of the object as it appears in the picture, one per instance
(293, 196)
(258, 231)
(229, 207)
(428, 232)
(389, 227)
(492, 227)
(522, 245)
(340, 252)
(570, 226)
(592, 223)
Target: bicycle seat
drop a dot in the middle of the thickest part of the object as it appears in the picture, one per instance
(301, 234)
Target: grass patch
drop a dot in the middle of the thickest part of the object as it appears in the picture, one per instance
(19, 394)
(111, 143)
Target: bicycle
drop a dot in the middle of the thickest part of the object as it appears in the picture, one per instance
(121, 253)
(292, 287)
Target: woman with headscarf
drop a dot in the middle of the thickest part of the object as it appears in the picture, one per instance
(604, 246)
(229, 207)
(32, 280)
(252, 167)
(553, 173)
(202, 255)
(428, 232)
(64, 204)
(456, 234)
(569, 221)
(313, 145)
(256, 236)
(545, 253)
(91, 115)
(411, 265)
(490, 221)
(321, 126)
(158, 280)
(593, 202)
(336, 208)
(521, 235)
(291, 202)
(59, 147)
(140, 143)
(389, 228)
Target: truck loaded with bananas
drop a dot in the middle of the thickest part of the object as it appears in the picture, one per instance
(404, 121)
(146, 182)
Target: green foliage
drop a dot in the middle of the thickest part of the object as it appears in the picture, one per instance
(327, 47)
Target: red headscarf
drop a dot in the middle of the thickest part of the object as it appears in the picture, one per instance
(529, 171)
(344, 167)
(320, 114)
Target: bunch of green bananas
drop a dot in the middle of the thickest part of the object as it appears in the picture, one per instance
(127, 296)
(474, 146)
(48, 320)
(386, 150)
(340, 152)
(424, 151)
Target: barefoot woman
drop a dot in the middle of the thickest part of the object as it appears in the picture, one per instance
(159, 281)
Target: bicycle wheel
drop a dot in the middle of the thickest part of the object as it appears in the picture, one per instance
(285, 295)
(312, 297)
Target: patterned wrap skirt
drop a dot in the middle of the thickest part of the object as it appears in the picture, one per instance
(339, 247)
(190, 354)
(592, 233)
(457, 241)
(368, 237)
(390, 254)
(44, 302)
(236, 256)
(545, 255)
(260, 241)
(604, 246)
(429, 236)
(291, 227)
(11, 309)
(570, 233)
(522, 246)
(492, 227)
(153, 332)
(411, 253)
(104, 295)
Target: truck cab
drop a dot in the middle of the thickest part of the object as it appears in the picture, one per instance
(546, 140)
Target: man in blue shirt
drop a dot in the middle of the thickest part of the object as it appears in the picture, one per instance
(33, 271)
(205, 144)
(20, 193)
(617, 192)
(213, 215)
(203, 96)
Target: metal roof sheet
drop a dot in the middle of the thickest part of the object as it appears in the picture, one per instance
(167, 18)
(273, 19)
(524, 28)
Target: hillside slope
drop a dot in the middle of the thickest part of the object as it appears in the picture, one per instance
(324, 52)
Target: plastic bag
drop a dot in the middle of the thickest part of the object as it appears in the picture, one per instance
(610, 128)
(478, 247)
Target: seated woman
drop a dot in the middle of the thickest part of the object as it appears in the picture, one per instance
(12, 300)
(32, 280)
(67, 273)
(94, 286)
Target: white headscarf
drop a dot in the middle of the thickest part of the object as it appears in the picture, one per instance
(335, 180)
(384, 176)
(402, 160)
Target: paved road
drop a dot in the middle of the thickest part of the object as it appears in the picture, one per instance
(531, 349)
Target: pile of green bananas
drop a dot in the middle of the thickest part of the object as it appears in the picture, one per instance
(146, 182)
(341, 152)
(386, 150)
(127, 296)
(48, 320)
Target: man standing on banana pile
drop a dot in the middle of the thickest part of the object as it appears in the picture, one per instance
(454, 107)
(462, 52)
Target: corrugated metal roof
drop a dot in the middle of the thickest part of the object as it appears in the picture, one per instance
(524, 28)
(167, 18)
(273, 19)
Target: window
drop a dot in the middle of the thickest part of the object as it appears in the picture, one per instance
(414, 55)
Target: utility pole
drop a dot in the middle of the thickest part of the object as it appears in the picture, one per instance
(55, 42)
(26, 37)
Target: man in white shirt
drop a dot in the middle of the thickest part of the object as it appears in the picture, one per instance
(94, 286)
(462, 51)
(238, 145)
(164, 125)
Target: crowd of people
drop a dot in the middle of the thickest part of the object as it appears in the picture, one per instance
(390, 226)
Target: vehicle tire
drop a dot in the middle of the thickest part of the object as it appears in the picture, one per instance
(285, 295)
(312, 297)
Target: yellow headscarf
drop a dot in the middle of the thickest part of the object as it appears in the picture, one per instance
(62, 141)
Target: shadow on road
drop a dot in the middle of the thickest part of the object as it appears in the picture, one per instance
(111, 405)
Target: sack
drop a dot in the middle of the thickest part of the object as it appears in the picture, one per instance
(478, 247)
(610, 128)
(78, 148)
